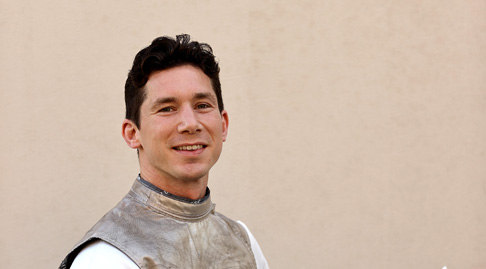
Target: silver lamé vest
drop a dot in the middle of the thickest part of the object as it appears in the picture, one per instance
(156, 231)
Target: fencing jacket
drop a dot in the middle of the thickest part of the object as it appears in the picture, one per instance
(158, 231)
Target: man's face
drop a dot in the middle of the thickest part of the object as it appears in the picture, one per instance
(181, 130)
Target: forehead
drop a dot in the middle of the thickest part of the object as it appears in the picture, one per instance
(178, 82)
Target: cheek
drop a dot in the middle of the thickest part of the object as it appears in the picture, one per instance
(153, 137)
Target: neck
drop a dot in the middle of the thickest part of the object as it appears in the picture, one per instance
(191, 189)
(172, 196)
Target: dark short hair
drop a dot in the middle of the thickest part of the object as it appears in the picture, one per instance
(164, 53)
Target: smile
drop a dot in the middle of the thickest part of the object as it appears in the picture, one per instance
(190, 148)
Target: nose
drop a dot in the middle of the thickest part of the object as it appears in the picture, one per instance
(188, 121)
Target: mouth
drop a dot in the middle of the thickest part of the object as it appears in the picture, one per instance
(190, 147)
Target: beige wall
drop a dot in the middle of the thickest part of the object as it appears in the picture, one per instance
(357, 128)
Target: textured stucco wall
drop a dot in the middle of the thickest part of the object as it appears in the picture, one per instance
(357, 128)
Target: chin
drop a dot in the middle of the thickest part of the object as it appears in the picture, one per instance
(193, 176)
(193, 172)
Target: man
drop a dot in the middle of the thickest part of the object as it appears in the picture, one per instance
(176, 120)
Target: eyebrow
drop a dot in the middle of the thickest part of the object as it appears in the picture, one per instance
(163, 100)
(205, 95)
(196, 96)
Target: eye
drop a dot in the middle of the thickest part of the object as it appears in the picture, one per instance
(166, 109)
(203, 106)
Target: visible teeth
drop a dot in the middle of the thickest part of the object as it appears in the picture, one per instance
(193, 147)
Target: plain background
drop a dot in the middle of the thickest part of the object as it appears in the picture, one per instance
(357, 128)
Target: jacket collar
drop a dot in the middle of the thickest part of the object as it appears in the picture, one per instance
(166, 203)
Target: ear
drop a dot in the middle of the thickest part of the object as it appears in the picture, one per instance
(224, 122)
(131, 134)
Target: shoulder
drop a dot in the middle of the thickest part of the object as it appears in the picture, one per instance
(255, 247)
(99, 254)
(235, 226)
